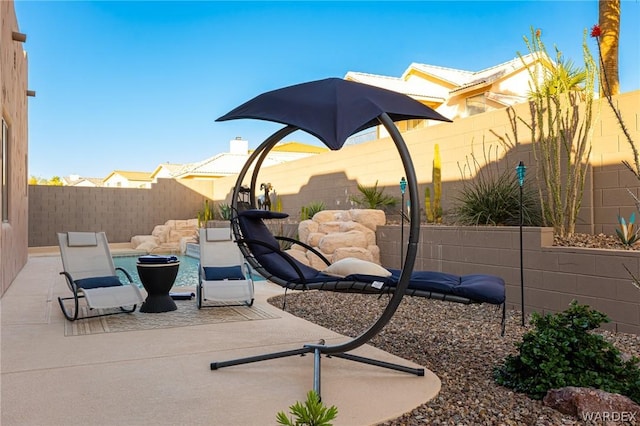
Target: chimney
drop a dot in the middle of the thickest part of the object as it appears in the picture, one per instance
(239, 146)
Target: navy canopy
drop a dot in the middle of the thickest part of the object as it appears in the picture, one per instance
(332, 109)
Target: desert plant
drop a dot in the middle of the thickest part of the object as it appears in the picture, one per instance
(373, 198)
(492, 197)
(561, 109)
(433, 209)
(225, 211)
(206, 214)
(307, 212)
(312, 413)
(627, 233)
(562, 351)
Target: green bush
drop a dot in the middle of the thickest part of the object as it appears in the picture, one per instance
(561, 351)
(307, 212)
(312, 413)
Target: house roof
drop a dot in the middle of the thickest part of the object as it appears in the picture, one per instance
(227, 163)
(416, 88)
(299, 148)
(170, 167)
(458, 80)
(129, 175)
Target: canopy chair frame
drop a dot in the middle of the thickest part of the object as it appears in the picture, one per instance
(338, 350)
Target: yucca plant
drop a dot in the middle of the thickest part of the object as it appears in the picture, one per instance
(373, 198)
(312, 413)
(627, 233)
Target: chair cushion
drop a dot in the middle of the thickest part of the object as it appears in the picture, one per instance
(263, 214)
(97, 282)
(354, 266)
(220, 273)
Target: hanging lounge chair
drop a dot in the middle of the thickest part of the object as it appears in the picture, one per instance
(332, 110)
(263, 252)
(224, 276)
(91, 275)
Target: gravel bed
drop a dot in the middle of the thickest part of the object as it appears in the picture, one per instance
(461, 344)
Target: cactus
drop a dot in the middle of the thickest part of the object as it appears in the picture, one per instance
(206, 214)
(434, 209)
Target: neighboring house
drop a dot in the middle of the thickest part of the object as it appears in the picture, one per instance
(14, 199)
(230, 163)
(165, 170)
(125, 179)
(77, 180)
(458, 93)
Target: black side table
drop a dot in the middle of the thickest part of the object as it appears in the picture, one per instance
(157, 279)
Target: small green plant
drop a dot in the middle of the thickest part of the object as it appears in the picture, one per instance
(312, 413)
(307, 212)
(562, 351)
(206, 214)
(225, 211)
(434, 209)
(627, 233)
(492, 197)
(373, 198)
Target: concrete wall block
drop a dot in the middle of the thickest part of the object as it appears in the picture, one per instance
(559, 282)
(576, 263)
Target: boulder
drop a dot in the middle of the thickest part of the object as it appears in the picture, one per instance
(355, 226)
(161, 232)
(137, 240)
(371, 218)
(315, 262)
(305, 228)
(604, 407)
(314, 239)
(332, 216)
(330, 242)
(329, 227)
(148, 246)
(357, 252)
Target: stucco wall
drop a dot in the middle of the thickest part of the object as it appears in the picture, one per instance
(120, 212)
(13, 99)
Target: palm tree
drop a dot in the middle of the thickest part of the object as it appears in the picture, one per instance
(609, 22)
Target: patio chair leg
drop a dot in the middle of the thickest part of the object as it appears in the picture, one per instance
(258, 358)
(316, 372)
(378, 363)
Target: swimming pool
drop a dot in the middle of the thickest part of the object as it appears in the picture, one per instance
(187, 272)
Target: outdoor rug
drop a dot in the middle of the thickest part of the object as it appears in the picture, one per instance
(187, 314)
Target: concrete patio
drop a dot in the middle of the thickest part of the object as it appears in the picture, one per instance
(162, 376)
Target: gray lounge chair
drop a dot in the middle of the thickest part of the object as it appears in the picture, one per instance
(91, 275)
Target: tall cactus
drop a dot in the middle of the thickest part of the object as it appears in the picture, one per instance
(434, 209)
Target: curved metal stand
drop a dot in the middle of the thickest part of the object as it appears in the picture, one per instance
(340, 350)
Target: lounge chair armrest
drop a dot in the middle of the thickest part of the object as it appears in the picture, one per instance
(306, 246)
(126, 274)
(70, 282)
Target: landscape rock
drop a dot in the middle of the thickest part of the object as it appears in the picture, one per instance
(332, 216)
(357, 252)
(592, 403)
(371, 218)
(330, 242)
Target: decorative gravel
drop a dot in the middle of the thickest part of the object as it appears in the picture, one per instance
(461, 344)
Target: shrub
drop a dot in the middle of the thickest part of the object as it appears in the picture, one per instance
(561, 351)
(308, 211)
(312, 413)
(373, 198)
(493, 197)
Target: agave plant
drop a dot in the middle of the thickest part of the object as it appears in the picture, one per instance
(627, 233)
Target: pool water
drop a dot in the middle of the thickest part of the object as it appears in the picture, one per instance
(187, 272)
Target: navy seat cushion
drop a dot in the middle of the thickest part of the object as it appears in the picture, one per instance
(477, 287)
(276, 264)
(219, 273)
(97, 282)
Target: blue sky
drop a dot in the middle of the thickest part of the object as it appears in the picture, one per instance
(125, 85)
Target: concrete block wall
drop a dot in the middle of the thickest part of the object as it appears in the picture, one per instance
(333, 177)
(553, 276)
(120, 212)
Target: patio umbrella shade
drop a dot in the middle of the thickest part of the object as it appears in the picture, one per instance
(332, 109)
